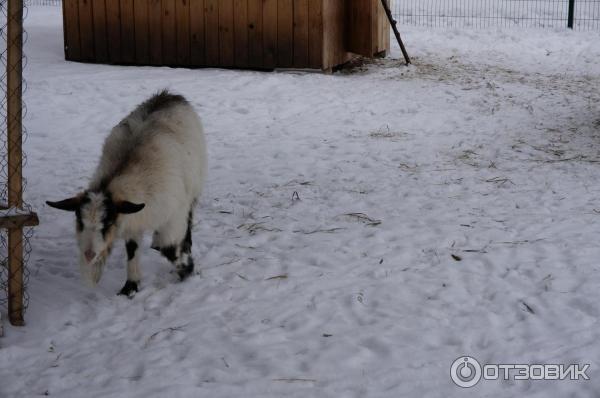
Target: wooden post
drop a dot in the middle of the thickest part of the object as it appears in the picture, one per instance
(14, 91)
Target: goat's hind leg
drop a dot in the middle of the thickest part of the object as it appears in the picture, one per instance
(133, 267)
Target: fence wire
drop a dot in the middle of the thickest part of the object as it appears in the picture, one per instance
(44, 2)
(497, 13)
(5, 170)
(481, 13)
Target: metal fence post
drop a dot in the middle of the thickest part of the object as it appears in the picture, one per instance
(571, 13)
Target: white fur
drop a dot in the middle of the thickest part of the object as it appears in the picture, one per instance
(158, 159)
(91, 238)
(166, 162)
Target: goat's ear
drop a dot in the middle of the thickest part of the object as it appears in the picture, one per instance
(70, 204)
(125, 207)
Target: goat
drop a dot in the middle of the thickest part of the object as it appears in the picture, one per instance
(149, 178)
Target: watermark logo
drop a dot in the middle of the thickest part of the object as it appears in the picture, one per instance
(466, 372)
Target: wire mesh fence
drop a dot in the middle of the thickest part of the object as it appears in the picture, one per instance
(3, 159)
(15, 215)
(43, 2)
(498, 13)
(481, 13)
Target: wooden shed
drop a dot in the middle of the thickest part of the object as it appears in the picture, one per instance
(262, 34)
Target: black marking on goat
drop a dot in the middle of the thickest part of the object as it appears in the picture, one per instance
(186, 244)
(129, 289)
(170, 252)
(110, 214)
(162, 100)
(78, 220)
(186, 270)
(84, 201)
(131, 247)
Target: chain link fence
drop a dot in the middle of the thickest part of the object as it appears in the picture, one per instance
(498, 13)
(15, 215)
(44, 2)
(481, 13)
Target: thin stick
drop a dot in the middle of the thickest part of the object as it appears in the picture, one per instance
(394, 23)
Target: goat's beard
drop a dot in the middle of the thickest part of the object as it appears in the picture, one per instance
(92, 272)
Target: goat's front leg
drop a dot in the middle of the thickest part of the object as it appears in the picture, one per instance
(133, 267)
(174, 241)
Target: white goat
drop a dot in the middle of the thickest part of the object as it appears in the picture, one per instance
(149, 178)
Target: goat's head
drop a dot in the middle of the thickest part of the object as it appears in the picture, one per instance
(97, 221)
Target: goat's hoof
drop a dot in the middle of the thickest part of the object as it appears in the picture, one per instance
(185, 271)
(130, 289)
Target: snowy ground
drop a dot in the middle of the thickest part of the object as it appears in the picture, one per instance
(487, 148)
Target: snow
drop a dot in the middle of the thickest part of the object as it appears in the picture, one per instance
(486, 149)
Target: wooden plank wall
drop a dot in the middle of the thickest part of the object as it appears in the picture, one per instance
(226, 33)
(368, 30)
(381, 30)
(71, 30)
(335, 50)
